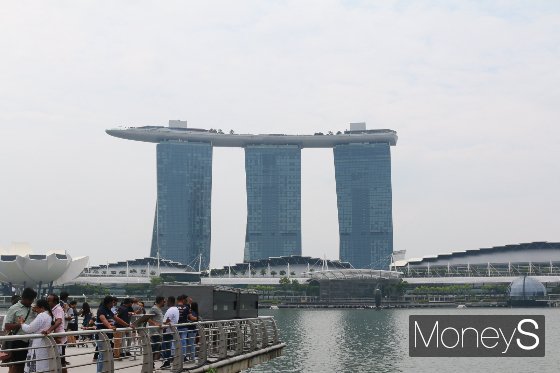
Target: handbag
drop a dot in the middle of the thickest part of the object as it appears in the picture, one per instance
(5, 356)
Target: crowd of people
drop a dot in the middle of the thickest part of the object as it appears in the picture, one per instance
(171, 312)
(57, 314)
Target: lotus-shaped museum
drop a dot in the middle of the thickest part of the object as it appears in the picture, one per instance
(31, 269)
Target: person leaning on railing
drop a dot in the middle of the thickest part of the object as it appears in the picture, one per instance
(123, 340)
(171, 317)
(58, 326)
(21, 309)
(105, 320)
(184, 311)
(156, 320)
(192, 332)
(38, 356)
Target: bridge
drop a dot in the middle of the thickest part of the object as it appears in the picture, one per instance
(219, 346)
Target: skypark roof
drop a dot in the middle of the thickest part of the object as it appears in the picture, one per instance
(160, 134)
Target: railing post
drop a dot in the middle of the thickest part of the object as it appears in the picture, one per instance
(253, 330)
(264, 334)
(54, 356)
(239, 338)
(222, 343)
(177, 364)
(107, 352)
(202, 345)
(147, 355)
(274, 331)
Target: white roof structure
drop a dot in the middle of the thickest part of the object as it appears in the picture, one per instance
(33, 269)
(346, 274)
(535, 252)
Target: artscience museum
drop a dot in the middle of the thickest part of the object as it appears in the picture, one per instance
(33, 270)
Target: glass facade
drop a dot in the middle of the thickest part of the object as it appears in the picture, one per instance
(184, 188)
(364, 200)
(523, 288)
(273, 178)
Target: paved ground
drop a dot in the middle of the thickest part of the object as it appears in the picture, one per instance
(81, 361)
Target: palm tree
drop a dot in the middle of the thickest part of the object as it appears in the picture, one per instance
(263, 272)
(282, 273)
(273, 273)
(292, 273)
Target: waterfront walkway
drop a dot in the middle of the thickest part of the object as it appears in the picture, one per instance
(218, 346)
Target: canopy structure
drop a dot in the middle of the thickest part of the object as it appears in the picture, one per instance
(347, 274)
(31, 269)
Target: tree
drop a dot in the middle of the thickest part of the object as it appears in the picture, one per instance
(338, 133)
(231, 132)
(295, 285)
(293, 273)
(273, 273)
(154, 282)
(284, 281)
(253, 272)
(282, 273)
(263, 272)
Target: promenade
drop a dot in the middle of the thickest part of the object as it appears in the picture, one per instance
(217, 346)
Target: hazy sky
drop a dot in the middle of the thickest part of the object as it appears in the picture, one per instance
(472, 88)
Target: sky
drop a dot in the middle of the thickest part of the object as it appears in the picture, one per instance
(472, 89)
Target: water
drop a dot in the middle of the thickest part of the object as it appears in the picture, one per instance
(351, 340)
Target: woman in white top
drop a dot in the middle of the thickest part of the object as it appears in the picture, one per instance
(37, 352)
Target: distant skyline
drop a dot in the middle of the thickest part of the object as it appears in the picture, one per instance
(472, 89)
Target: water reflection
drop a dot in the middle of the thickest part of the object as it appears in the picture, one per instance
(336, 340)
(369, 334)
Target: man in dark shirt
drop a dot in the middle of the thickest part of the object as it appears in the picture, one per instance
(184, 311)
(123, 321)
(105, 320)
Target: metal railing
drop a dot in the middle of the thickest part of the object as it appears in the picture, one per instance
(181, 346)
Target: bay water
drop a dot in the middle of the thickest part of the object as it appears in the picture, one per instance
(355, 340)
